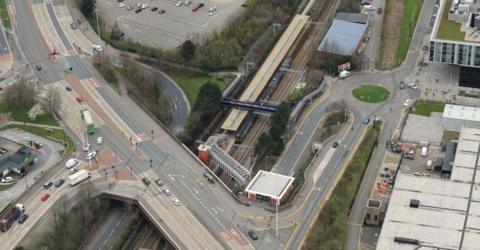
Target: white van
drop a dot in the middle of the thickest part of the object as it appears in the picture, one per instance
(429, 164)
(344, 74)
(70, 163)
(424, 152)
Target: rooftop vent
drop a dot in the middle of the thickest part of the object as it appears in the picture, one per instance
(414, 203)
(405, 240)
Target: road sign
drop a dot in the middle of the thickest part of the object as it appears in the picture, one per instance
(344, 66)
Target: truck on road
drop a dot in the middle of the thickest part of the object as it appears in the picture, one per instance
(79, 177)
(11, 216)
(87, 118)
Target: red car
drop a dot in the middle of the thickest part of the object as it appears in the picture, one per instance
(45, 197)
(79, 99)
(200, 5)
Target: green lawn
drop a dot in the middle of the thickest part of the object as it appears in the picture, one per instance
(191, 84)
(425, 108)
(449, 30)
(4, 15)
(411, 11)
(20, 114)
(56, 134)
(330, 229)
(371, 93)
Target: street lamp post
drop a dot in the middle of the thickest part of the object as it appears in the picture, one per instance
(98, 29)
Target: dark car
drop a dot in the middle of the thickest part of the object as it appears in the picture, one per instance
(138, 10)
(402, 85)
(22, 218)
(159, 182)
(366, 121)
(154, 9)
(409, 157)
(161, 11)
(74, 26)
(38, 67)
(335, 144)
(59, 182)
(252, 235)
(47, 184)
(68, 88)
(146, 181)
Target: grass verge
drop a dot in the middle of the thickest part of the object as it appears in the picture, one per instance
(4, 15)
(330, 229)
(6, 186)
(55, 134)
(109, 75)
(20, 114)
(426, 108)
(191, 83)
(411, 11)
(371, 93)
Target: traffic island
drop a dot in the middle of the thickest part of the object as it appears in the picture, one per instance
(371, 93)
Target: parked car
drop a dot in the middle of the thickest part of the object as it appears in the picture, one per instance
(86, 147)
(146, 181)
(366, 121)
(413, 86)
(179, 4)
(187, 3)
(175, 201)
(335, 144)
(154, 9)
(68, 88)
(402, 85)
(144, 5)
(47, 184)
(38, 67)
(167, 192)
(252, 235)
(45, 197)
(121, 5)
(138, 10)
(59, 182)
(73, 170)
(7, 179)
(159, 182)
(407, 103)
(91, 155)
(71, 163)
(196, 8)
(22, 218)
(130, 7)
(100, 140)
(161, 11)
(74, 26)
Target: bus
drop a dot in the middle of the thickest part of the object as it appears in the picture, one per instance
(87, 117)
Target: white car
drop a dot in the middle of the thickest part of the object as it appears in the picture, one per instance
(406, 103)
(175, 201)
(167, 192)
(100, 140)
(97, 48)
(86, 147)
(91, 155)
(212, 9)
(71, 163)
(211, 13)
(7, 179)
(178, 4)
(144, 5)
(121, 5)
(412, 86)
(187, 3)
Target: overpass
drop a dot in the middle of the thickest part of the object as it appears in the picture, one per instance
(266, 71)
(258, 107)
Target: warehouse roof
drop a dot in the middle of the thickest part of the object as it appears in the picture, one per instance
(461, 112)
(343, 37)
(270, 184)
(352, 17)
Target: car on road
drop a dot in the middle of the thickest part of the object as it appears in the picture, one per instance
(196, 8)
(212, 9)
(121, 5)
(91, 155)
(68, 88)
(175, 201)
(252, 235)
(47, 184)
(167, 192)
(86, 147)
(161, 11)
(154, 9)
(71, 163)
(187, 3)
(38, 67)
(402, 85)
(22, 218)
(79, 99)
(407, 103)
(159, 182)
(59, 182)
(335, 144)
(366, 121)
(146, 181)
(97, 48)
(45, 197)
(73, 170)
(100, 140)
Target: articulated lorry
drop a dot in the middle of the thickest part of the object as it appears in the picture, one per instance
(11, 216)
(79, 177)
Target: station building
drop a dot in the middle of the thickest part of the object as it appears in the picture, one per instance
(14, 157)
(270, 187)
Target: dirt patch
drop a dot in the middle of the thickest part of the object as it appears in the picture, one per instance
(391, 33)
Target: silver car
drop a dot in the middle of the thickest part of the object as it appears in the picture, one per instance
(175, 201)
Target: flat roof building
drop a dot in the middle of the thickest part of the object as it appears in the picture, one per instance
(345, 34)
(456, 116)
(436, 213)
(14, 156)
(269, 186)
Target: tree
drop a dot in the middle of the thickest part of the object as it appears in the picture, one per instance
(53, 100)
(209, 100)
(20, 94)
(263, 143)
(187, 50)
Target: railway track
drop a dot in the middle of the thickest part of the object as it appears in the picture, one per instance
(288, 83)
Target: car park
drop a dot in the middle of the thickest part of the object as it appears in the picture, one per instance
(252, 235)
(91, 155)
(86, 147)
(59, 182)
(45, 197)
(22, 218)
(47, 184)
(175, 201)
(100, 140)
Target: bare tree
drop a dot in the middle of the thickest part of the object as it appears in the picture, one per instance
(53, 100)
(20, 94)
